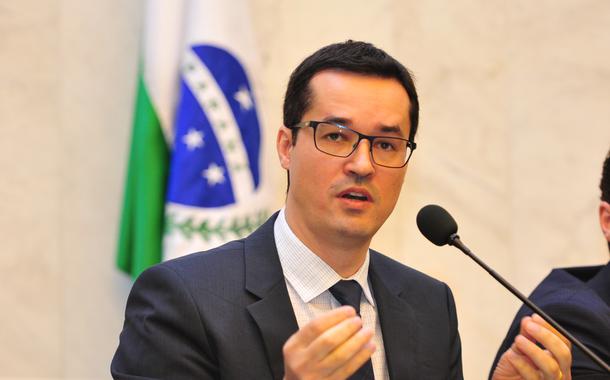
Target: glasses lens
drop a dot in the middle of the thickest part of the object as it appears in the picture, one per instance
(392, 152)
(341, 141)
(335, 140)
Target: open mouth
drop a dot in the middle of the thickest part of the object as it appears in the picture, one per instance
(355, 196)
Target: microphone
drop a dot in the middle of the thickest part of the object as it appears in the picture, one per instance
(438, 226)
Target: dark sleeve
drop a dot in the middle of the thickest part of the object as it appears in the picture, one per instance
(163, 335)
(587, 325)
(455, 357)
(592, 327)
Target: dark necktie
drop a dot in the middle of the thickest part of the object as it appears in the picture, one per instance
(348, 292)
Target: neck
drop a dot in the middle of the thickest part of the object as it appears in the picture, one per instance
(340, 250)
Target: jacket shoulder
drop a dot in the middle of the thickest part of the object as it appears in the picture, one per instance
(200, 263)
(402, 275)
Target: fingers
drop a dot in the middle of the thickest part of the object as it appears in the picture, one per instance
(356, 361)
(523, 330)
(526, 360)
(562, 351)
(538, 319)
(331, 346)
(340, 341)
(351, 354)
(542, 362)
(556, 359)
(312, 330)
(520, 363)
(530, 361)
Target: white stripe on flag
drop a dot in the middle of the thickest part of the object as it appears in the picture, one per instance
(220, 116)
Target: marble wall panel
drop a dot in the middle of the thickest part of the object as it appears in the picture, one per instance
(31, 295)
(514, 127)
(99, 45)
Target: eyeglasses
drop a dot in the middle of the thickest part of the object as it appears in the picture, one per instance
(339, 141)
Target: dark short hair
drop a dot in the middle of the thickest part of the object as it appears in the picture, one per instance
(350, 56)
(604, 184)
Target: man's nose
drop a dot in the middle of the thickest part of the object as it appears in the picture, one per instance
(360, 162)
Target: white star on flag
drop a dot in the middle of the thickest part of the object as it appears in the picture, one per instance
(193, 139)
(243, 98)
(214, 174)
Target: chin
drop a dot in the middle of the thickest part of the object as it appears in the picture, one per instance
(359, 230)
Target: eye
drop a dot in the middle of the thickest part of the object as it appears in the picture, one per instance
(334, 137)
(386, 145)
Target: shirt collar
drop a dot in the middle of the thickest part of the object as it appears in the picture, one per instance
(308, 274)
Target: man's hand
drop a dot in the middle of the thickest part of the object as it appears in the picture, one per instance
(525, 360)
(332, 346)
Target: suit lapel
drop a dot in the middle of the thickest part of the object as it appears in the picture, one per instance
(273, 313)
(274, 316)
(398, 323)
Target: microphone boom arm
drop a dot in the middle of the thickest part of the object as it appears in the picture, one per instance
(454, 240)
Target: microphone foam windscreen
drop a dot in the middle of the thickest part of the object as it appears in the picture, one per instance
(435, 223)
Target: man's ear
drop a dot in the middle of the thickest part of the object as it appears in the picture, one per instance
(604, 218)
(284, 146)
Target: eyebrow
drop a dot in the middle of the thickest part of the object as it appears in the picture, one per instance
(339, 120)
(391, 129)
(347, 123)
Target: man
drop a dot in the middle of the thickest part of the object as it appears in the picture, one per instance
(269, 306)
(579, 299)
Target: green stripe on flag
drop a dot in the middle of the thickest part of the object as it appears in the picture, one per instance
(141, 231)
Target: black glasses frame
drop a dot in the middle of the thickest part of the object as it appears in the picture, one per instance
(361, 136)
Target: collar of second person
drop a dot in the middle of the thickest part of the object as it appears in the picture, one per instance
(308, 274)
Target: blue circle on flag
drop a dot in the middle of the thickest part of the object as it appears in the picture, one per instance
(198, 174)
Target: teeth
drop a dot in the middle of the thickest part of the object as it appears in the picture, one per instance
(353, 195)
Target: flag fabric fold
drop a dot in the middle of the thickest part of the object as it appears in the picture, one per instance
(141, 231)
(210, 187)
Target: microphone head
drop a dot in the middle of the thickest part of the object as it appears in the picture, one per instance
(435, 223)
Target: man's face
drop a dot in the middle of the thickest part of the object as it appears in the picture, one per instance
(320, 199)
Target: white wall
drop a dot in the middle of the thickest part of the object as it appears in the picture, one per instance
(514, 128)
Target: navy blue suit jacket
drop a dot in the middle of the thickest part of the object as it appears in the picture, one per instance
(579, 299)
(226, 313)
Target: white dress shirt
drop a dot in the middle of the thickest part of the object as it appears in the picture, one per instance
(308, 279)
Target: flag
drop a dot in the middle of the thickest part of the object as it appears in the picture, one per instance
(198, 64)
